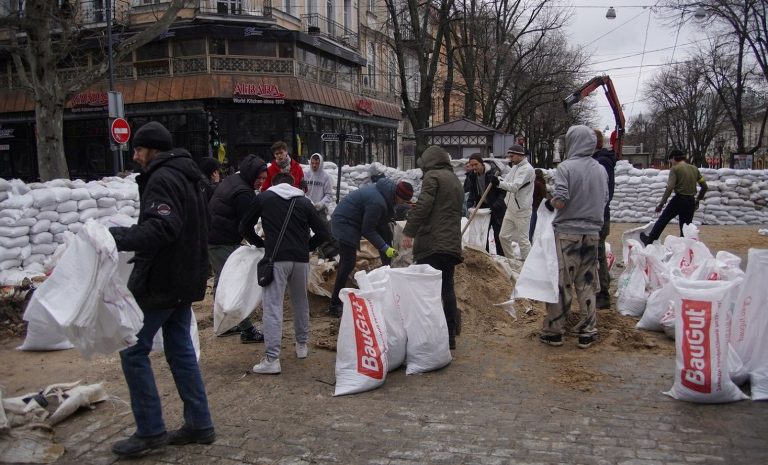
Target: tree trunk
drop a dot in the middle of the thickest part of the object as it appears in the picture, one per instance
(49, 135)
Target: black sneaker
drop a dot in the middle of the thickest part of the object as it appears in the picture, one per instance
(602, 301)
(231, 331)
(251, 336)
(551, 339)
(645, 239)
(184, 436)
(586, 341)
(135, 446)
(452, 342)
(335, 310)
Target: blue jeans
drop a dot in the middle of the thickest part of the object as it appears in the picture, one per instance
(180, 354)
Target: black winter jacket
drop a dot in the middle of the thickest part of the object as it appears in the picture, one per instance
(272, 207)
(495, 198)
(171, 236)
(607, 159)
(231, 200)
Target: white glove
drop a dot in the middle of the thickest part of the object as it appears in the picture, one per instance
(320, 206)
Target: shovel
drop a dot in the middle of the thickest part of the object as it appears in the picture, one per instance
(472, 216)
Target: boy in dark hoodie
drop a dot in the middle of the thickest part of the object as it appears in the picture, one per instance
(607, 159)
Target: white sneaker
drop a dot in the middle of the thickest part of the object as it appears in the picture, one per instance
(302, 350)
(267, 366)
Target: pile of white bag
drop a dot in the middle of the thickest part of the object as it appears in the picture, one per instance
(35, 218)
(396, 316)
(717, 314)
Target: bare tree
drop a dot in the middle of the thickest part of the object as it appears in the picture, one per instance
(690, 111)
(418, 28)
(42, 36)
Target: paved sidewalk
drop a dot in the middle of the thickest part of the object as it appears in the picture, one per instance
(499, 402)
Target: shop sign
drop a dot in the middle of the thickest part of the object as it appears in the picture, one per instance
(5, 147)
(364, 106)
(252, 31)
(89, 101)
(7, 133)
(246, 92)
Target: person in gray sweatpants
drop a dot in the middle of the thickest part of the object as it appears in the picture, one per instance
(284, 204)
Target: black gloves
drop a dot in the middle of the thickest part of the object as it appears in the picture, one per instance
(495, 181)
(549, 205)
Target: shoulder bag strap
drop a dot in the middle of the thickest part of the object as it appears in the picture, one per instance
(282, 230)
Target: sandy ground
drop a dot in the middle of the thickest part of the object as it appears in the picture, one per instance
(479, 285)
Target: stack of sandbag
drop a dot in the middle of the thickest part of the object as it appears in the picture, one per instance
(397, 316)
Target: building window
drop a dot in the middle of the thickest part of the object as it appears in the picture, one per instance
(217, 46)
(152, 51)
(312, 6)
(186, 48)
(288, 7)
(347, 13)
(329, 13)
(372, 6)
(257, 48)
(229, 7)
(372, 65)
(392, 72)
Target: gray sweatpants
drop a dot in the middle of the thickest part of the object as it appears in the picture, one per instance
(296, 276)
(577, 260)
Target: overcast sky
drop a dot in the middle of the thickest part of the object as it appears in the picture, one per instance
(616, 47)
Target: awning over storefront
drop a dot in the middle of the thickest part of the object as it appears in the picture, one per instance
(222, 86)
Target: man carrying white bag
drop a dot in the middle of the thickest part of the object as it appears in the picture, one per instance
(237, 294)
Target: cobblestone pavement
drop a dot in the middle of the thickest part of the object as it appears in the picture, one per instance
(499, 402)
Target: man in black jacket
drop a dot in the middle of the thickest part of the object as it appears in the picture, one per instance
(232, 199)
(607, 159)
(291, 262)
(170, 272)
(478, 178)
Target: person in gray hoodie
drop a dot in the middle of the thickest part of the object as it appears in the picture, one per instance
(580, 196)
(319, 186)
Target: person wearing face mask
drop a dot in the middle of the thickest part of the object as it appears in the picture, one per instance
(231, 200)
(283, 163)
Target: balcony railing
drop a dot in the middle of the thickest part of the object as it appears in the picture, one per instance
(317, 24)
(87, 12)
(262, 8)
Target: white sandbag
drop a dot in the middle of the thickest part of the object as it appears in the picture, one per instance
(41, 238)
(194, 334)
(658, 304)
(40, 226)
(86, 203)
(83, 299)
(361, 359)
(238, 293)
(736, 369)
(687, 254)
(57, 228)
(88, 213)
(104, 202)
(43, 197)
(630, 291)
(14, 231)
(7, 211)
(701, 342)
(69, 218)
(75, 227)
(691, 231)
(11, 242)
(80, 193)
(128, 210)
(8, 221)
(396, 335)
(33, 258)
(538, 278)
(68, 206)
(44, 249)
(17, 202)
(634, 234)
(416, 292)
(477, 232)
(8, 254)
(749, 325)
(10, 264)
(42, 336)
(97, 190)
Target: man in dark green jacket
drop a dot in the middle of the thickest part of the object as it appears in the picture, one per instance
(434, 226)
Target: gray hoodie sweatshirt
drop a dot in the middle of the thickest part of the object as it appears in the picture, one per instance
(582, 184)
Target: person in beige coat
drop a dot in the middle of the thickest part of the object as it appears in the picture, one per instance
(518, 184)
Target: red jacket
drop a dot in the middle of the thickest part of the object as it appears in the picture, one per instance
(273, 169)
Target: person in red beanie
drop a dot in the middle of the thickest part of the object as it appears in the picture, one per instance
(365, 213)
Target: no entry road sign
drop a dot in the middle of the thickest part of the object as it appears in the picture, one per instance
(120, 130)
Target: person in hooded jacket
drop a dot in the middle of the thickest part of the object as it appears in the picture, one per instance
(229, 204)
(211, 170)
(364, 213)
(291, 262)
(480, 176)
(283, 163)
(319, 186)
(170, 272)
(607, 159)
(579, 196)
(433, 228)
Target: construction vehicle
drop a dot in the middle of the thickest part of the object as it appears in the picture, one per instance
(610, 93)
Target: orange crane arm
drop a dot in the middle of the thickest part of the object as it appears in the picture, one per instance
(610, 93)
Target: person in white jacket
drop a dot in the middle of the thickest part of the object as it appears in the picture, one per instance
(319, 187)
(518, 184)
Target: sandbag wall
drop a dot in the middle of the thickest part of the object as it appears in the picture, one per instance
(34, 218)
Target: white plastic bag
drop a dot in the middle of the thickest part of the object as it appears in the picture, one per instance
(633, 234)
(687, 254)
(659, 303)
(396, 336)
(238, 292)
(477, 232)
(194, 334)
(417, 295)
(630, 290)
(749, 325)
(701, 342)
(361, 348)
(539, 276)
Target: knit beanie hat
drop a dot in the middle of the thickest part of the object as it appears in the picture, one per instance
(404, 190)
(477, 157)
(153, 135)
(516, 148)
(208, 165)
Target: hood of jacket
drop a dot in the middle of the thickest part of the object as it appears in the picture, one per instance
(386, 188)
(250, 167)
(178, 159)
(286, 191)
(581, 141)
(434, 158)
(605, 157)
(318, 175)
